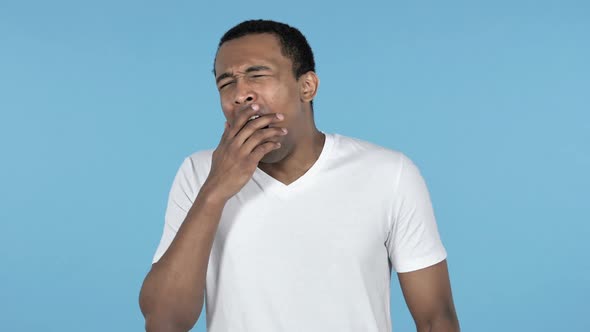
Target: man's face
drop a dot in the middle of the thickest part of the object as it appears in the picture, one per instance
(252, 69)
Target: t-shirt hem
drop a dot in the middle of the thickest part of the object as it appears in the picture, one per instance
(157, 257)
(423, 262)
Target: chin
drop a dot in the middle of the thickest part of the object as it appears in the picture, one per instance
(273, 156)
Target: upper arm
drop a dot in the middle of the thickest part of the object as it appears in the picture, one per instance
(180, 199)
(413, 241)
(418, 255)
(428, 295)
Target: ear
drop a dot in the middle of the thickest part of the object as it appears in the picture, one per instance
(308, 86)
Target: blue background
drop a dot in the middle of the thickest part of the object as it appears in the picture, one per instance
(101, 101)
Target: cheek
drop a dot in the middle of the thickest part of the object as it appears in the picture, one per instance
(224, 101)
(226, 108)
(281, 97)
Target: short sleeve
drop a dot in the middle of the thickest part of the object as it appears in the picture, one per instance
(180, 200)
(413, 241)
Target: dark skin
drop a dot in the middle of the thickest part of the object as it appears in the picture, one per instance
(428, 295)
(255, 78)
(253, 70)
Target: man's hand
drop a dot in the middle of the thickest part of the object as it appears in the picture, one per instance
(172, 295)
(243, 144)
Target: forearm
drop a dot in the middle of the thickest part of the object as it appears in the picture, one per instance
(171, 297)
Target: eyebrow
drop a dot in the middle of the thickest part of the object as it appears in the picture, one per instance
(248, 70)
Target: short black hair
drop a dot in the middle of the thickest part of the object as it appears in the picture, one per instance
(293, 44)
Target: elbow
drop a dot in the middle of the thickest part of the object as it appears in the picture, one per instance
(167, 319)
(162, 323)
(444, 322)
(162, 318)
(448, 324)
(166, 314)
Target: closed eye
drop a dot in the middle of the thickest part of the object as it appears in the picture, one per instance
(225, 84)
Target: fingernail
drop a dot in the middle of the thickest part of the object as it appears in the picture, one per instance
(280, 116)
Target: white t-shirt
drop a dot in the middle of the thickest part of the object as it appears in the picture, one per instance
(317, 254)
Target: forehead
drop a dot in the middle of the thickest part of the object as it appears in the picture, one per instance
(250, 50)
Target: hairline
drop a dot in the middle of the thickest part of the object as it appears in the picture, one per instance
(272, 33)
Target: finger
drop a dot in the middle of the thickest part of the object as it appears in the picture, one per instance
(261, 136)
(242, 117)
(257, 124)
(261, 150)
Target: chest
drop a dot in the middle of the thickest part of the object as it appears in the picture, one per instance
(322, 230)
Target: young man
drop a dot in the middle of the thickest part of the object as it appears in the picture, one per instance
(285, 228)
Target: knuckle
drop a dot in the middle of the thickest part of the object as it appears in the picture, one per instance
(232, 145)
(259, 134)
(259, 149)
(251, 125)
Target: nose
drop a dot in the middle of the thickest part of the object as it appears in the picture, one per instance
(244, 93)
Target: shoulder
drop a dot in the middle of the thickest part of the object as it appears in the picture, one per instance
(200, 157)
(196, 165)
(368, 153)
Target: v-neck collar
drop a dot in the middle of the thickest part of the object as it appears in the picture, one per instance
(276, 187)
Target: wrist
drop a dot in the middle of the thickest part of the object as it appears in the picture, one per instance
(209, 196)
